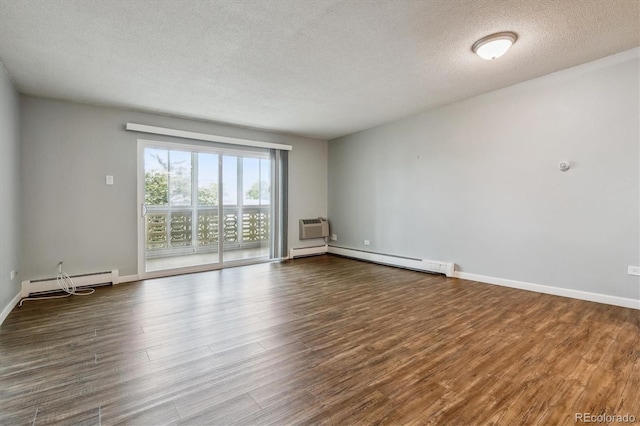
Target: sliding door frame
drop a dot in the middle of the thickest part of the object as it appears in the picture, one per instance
(198, 148)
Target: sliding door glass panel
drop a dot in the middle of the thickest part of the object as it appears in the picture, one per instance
(180, 178)
(246, 208)
(230, 180)
(180, 188)
(181, 202)
(265, 181)
(207, 208)
(230, 215)
(256, 210)
(250, 181)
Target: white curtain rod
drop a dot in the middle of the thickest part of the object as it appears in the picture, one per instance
(143, 128)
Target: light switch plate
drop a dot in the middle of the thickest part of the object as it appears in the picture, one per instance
(109, 180)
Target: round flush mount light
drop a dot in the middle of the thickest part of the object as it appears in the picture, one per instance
(495, 45)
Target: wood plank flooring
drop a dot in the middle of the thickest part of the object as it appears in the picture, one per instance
(321, 340)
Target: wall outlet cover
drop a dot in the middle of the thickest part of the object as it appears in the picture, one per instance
(633, 270)
(367, 242)
(334, 237)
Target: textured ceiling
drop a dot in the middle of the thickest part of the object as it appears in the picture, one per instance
(320, 68)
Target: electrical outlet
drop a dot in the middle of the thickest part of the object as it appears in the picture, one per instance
(109, 180)
(367, 242)
(633, 270)
(334, 237)
(12, 274)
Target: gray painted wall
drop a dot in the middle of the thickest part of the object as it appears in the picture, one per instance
(10, 199)
(477, 182)
(71, 215)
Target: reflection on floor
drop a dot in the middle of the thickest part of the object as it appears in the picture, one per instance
(172, 262)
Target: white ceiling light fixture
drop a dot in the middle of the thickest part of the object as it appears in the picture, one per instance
(495, 45)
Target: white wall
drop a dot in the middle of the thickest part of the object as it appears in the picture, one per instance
(71, 215)
(477, 183)
(10, 199)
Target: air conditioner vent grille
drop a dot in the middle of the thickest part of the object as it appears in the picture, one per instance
(313, 228)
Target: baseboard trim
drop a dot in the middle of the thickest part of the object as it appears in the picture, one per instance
(128, 279)
(556, 291)
(7, 309)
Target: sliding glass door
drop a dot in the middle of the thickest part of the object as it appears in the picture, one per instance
(204, 207)
(247, 207)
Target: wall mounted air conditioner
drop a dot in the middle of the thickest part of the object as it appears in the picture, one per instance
(313, 228)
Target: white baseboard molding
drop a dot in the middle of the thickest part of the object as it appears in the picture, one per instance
(128, 279)
(307, 251)
(425, 265)
(556, 291)
(7, 309)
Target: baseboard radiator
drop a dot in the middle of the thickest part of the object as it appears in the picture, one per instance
(307, 251)
(50, 285)
(438, 267)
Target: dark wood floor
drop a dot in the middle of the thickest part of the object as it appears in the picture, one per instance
(321, 340)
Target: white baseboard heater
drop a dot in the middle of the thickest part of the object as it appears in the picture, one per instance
(307, 251)
(50, 285)
(446, 268)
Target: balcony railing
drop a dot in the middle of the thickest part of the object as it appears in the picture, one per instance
(171, 231)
